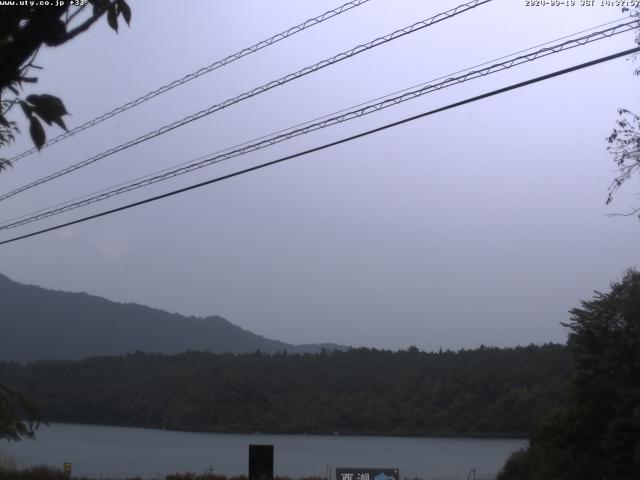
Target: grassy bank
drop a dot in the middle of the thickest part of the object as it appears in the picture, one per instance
(9, 472)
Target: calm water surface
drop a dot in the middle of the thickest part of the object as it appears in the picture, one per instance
(123, 452)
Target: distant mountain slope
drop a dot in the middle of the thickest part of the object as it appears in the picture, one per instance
(36, 323)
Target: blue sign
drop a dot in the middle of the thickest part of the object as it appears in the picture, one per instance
(367, 474)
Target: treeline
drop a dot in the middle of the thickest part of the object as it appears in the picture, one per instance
(481, 392)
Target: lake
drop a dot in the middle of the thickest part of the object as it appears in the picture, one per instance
(124, 452)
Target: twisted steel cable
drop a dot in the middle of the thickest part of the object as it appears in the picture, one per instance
(329, 145)
(349, 115)
(247, 142)
(256, 91)
(193, 75)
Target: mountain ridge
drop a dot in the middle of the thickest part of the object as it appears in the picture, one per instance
(39, 323)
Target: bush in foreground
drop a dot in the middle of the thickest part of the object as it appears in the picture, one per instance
(9, 472)
(33, 473)
(598, 435)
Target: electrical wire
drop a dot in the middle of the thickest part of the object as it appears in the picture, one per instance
(247, 142)
(193, 75)
(331, 144)
(256, 91)
(218, 157)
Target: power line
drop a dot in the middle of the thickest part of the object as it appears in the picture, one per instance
(204, 161)
(253, 140)
(218, 157)
(332, 144)
(193, 75)
(256, 91)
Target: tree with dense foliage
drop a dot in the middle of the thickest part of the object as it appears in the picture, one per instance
(598, 435)
(481, 392)
(24, 29)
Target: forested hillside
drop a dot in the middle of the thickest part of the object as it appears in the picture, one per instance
(482, 392)
(37, 323)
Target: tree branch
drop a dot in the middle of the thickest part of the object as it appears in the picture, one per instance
(75, 13)
(633, 212)
(81, 28)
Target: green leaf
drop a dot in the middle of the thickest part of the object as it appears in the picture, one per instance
(124, 10)
(49, 108)
(45, 118)
(50, 105)
(112, 17)
(99, 6)
(58, 121)
(27, 109)
(37, 132)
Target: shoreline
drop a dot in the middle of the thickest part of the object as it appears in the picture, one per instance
(487, 436)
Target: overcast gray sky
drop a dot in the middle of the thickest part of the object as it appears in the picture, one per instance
(481, 225)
